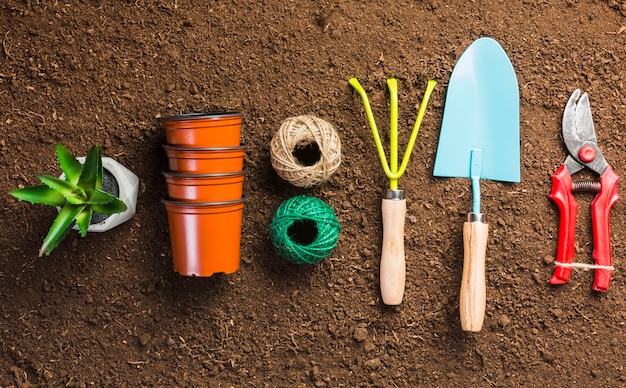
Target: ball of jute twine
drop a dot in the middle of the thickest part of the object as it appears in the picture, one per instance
(297, 133)
(304, 230)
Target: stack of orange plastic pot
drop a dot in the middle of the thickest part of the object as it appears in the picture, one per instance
(205, 190)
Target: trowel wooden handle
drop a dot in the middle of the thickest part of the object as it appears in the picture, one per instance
(473, 294)
(392, 262)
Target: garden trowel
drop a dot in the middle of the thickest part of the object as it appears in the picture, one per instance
(479, 139)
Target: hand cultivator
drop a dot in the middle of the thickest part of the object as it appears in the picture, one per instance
(579, 137)
(392, 262)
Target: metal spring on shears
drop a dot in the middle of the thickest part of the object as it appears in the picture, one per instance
(592, 186)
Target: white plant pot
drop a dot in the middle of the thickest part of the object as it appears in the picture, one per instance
(128, 184)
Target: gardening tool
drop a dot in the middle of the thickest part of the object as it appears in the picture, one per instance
(579, 137)
(392, 261)
(479, 139)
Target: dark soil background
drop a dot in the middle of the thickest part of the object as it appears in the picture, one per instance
(107, 309)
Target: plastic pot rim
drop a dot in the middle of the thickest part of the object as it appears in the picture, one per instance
(184, 175)
(201, 116)
(204, 204)
(203, 149)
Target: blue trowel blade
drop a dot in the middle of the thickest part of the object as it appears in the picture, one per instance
(481, 112)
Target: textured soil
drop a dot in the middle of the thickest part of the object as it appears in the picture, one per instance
(108, 310)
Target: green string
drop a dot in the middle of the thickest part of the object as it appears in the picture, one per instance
(304, 230)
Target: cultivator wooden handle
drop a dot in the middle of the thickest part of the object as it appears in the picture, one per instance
(392, 261)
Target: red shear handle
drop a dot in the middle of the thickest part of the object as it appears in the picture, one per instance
(600, 213)
(562, 195)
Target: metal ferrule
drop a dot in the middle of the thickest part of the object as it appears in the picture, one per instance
(476, 217)
(396, 195)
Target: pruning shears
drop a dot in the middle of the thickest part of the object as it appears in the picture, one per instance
(580, 140)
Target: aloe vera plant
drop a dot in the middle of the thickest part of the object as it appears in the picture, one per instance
(79, 195)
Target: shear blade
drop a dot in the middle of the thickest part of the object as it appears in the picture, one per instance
(578, 131)
(577, 121)
(584, 122)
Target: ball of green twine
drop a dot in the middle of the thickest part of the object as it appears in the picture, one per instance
(304, 230)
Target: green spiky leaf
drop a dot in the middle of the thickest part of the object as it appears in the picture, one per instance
(83, 220)
(61, 225)
(91, 177)
(98, 197)
(100, 172)
(70, 166)
(41, 194)
(72, 193)
(115, 206)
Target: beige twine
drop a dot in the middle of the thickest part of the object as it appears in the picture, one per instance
(298, 132)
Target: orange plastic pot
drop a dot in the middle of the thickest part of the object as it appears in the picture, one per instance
(200, 130)
(205, 237)
(205, 160)
(205, 187)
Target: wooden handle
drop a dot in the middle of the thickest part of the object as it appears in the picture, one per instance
(473, 294)
(392, 263)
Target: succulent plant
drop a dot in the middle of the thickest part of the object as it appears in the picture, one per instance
(79, 195)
